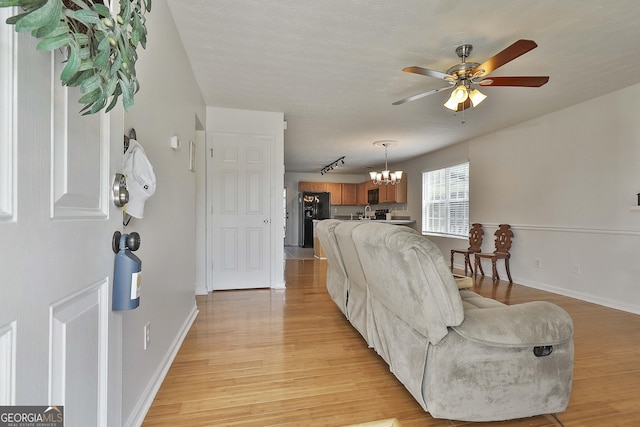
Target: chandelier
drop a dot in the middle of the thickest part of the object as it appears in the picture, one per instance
(385, 177)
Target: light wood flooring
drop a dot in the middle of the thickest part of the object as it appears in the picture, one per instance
(290, 358)
(296, 252)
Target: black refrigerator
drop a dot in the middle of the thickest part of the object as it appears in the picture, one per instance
(313, 206)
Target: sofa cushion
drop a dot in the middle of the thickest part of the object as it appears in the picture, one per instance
(536, 323)
(337, 281)
(408, 274)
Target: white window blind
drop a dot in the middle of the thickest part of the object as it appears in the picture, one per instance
(445, 200)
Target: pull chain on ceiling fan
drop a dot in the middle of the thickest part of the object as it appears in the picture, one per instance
(465, 75)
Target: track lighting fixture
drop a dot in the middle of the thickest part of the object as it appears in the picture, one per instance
(332, 165)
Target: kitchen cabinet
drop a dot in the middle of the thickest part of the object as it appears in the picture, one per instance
(312, 186)
(335, 188)
(358, 194)
(386, 193)
(361, 193)
(349, 196)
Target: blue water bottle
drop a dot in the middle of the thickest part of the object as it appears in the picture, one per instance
(127, 275)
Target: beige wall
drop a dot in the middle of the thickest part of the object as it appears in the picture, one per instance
(162, 109)
(567, 182)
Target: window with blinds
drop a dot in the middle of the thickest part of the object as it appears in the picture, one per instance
(445, 201)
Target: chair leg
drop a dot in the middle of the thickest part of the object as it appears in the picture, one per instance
(451, 260)
(478, 266)
(506, 265)
(494, 273)
(467, 262)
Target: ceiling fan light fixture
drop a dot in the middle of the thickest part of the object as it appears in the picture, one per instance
(452, 103)
(477, 97)
(460, 93)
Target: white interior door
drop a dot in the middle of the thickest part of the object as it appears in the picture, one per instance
(59, 340)
(239, 183)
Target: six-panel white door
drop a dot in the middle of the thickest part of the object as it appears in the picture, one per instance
(59, 340)
(239, 183)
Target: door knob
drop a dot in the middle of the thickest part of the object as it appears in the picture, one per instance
(120, 194)
(266, 221)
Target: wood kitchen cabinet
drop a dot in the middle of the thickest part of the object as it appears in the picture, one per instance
(312, 186)
(361, 193)
(335, 188)
(358, 194)
(349, 194)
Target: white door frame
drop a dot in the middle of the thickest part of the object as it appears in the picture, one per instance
(257, 123)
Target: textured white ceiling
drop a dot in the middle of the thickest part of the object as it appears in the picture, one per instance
(334, 66)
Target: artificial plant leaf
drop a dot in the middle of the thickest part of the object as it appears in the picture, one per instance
(60, 28)
(84, 52)
(49, 11)
(13, 19)
(104, 43)
(117, 63)
(101, 58)
(54, 42)
(125, 10)
(72, 65)
(81, 39)
(80, 3)
(87, 16)
(109, 87)
(52, 29)
(90, 97)
(80, 77)
(85, 64)
(102, 10)
(97, 106)
(113, 103)
(90, 84)
(10, 3)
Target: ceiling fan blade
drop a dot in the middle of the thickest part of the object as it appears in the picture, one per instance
(421, 95)
(430, 73)
(464, 105)
(509, 54)
(525, 81)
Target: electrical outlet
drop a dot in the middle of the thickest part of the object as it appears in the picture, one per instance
(576, 269)
(147, 335)
(537, 263)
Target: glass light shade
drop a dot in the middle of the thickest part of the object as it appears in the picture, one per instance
(452, 103)
(373, 174)
(477, 97)
(385, 174)
(460, 93)
(398, 175)
(378, 176)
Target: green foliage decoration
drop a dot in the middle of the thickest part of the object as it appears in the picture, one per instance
(100, 48)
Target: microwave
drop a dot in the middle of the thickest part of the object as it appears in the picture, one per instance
(373, 196)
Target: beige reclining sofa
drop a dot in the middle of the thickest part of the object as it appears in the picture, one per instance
(460, 355)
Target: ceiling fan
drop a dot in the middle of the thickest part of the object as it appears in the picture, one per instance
(465, 75)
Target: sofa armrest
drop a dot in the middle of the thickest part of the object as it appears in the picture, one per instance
(530, 324)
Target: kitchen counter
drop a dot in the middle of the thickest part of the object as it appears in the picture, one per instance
(387, 221)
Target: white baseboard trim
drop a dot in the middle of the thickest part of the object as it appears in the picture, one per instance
(142, 407)
(582, 296)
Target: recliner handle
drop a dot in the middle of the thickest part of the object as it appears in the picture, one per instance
(542, 350)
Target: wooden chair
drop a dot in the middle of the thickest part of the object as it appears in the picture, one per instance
(476, 234)
(503, 244)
